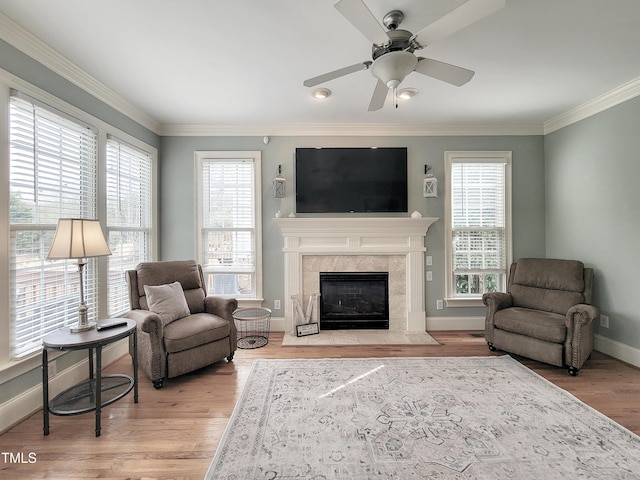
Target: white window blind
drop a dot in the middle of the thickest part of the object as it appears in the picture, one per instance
(228, 225)
(52, 165)
(479, 231)
(129, 216)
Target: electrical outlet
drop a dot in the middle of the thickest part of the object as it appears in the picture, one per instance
(53, 369)
(429, 276)
(604, 321)
(429, 260)
(439, 304)
(276, 305)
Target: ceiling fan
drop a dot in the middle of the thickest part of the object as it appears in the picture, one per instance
(393, 49)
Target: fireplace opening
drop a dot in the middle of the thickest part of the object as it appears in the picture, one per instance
(354, 300)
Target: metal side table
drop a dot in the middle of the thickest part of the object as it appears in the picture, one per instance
(98, 391)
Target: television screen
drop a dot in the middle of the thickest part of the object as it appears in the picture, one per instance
(341, 180)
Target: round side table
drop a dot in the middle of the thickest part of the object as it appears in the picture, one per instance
(98, 391)
(253, 326)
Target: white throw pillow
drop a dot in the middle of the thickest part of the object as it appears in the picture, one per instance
(168, 301)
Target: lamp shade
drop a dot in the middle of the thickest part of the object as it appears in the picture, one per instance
(78, 238)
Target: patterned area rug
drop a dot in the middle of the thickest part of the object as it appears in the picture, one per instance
(416, 418)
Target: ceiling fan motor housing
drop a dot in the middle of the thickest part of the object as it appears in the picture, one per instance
(399, 40)
(393, 19)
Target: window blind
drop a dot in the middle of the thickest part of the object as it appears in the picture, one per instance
(227, 222)
(478, 212)
(129, 216)
(52, 170)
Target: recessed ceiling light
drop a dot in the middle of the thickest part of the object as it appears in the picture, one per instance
(407, 93)
(321, 93)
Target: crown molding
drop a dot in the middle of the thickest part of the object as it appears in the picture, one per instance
(347, 129)
(599, 104)
(27, 43)
(35, 48)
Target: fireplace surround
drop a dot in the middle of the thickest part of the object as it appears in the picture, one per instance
(388, 244)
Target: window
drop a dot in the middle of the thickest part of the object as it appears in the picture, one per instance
(64, 163)
(478, 224)
(228, 222)
(52, 174)
(129, 216)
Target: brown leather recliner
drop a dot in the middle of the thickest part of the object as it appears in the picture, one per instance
(204, 336)
(547, 313)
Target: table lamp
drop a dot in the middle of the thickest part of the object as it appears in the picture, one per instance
(78, 238)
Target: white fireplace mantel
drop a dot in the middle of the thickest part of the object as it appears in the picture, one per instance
(390, 236)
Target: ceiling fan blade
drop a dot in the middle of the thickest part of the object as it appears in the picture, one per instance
(361, 17)
(378, 97)
(341, 72)
(457, 76)
(463, 16)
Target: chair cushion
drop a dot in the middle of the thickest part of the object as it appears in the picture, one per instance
(195, 330)
(187, 272)
(538, 324)
(160, 273)
(547, 284)
(168, 301)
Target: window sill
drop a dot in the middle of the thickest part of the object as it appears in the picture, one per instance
(250, 302)
(464, 302)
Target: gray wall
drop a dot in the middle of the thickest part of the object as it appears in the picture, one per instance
(177, 205)
(592, 170)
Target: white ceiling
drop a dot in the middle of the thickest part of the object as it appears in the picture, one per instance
(242, 62)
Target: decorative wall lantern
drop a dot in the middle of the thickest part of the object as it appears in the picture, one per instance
(279, 184)
(430, 185)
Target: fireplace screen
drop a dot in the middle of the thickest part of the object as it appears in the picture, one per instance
(354, 300)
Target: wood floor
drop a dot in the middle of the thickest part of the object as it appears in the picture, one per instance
(172, 433)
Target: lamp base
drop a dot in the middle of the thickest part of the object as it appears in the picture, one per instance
(82, 328)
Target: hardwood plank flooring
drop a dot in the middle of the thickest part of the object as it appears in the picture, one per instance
(173, 433)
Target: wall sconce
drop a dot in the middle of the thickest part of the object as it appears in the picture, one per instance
(430, 185)
(279, 184)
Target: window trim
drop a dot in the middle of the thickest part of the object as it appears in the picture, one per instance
(256, 155)
(451, 157)
(12, 368)
(134, 144)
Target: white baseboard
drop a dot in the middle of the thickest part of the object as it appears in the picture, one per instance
(277, 324)
(625, 353)
(27, 403)
(455, 323)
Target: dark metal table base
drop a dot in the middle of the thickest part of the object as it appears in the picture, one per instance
(98, 391)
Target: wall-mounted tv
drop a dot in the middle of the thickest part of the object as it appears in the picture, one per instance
(342, 180)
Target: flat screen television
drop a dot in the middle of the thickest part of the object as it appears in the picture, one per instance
(343, 180)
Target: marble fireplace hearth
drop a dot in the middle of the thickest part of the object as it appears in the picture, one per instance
(393, 245)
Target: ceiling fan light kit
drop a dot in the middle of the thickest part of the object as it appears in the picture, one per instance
(407, 93)
(321, 93)
(393, 67)
(393, 49)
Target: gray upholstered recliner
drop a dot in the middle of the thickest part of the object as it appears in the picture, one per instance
(170, 347)
(546, 314)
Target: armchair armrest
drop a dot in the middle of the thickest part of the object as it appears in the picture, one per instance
(494, 301)
(224, 307)
(147, 321)
(580, 315)
(151, 353)
(221, 306)
(497, 300)
(579, 342)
